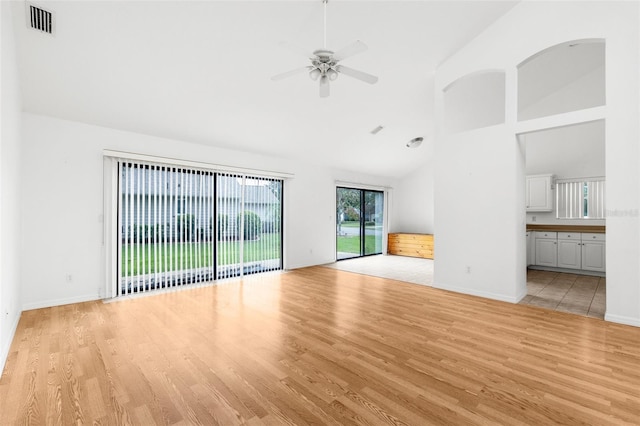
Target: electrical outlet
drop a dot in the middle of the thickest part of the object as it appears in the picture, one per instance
(69, 278)
(468, 269)
(534, 218)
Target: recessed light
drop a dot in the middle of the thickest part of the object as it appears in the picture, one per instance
(415, 142)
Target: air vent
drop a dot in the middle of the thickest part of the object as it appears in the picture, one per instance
(376, 130)
(40, 19)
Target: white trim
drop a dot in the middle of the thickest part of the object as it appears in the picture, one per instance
(193, 164)
(110, 225)
(4, 354)
(346, 184)
(484, 294)
(561, 120)
(60, 302)
(621, 319)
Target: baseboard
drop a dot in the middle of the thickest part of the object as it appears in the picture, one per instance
(620, 319)
(60, 302)
(485, 294)
(567, 271)
(300, 266)
(7, 344)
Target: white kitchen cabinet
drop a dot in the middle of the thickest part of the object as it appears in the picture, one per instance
(531, 248)
(569, 250)
(593, 252)
(546, 249)
(539, 193)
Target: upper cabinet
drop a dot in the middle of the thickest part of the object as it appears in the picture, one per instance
(563, 78)
(539, 193)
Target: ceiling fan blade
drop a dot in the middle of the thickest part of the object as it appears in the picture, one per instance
(292, 72)
(350, 50)
(360, 75)
(296, 49)
(324, 86)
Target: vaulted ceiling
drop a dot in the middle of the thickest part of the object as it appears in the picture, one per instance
(200, 72)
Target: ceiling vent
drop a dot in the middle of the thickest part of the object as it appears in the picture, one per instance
(40, 19)
(376, 130)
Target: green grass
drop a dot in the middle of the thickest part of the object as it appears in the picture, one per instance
(351, 224)
(352, 244)
(191, 255)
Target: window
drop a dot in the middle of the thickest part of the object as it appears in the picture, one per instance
(580, 198)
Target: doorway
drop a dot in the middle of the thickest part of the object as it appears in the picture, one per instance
(359, 222)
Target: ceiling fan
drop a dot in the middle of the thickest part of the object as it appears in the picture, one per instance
(325, 65)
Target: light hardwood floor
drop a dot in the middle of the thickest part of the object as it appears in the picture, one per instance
(318, 346)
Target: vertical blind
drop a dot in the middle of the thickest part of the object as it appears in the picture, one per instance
(581, 199)
(181, 226)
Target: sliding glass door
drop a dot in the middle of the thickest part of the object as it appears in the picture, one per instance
(359, 217)
(373, 213)
(180, 226)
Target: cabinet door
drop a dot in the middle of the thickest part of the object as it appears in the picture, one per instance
(546, 252)
(569, 254)
(538, 194)
(593, 256)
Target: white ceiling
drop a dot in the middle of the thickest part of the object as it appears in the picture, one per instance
(200, 72)
(575, 151)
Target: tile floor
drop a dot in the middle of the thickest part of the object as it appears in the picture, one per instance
(577, 294)
(402, 268)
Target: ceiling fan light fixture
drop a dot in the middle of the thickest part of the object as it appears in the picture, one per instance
(315, 74)
(325, 65)
(415, 142)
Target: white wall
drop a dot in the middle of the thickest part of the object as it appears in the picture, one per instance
(586, 90)
(10, 117)
(528, 28)
(62, 208)
(474, 101)
(412, 210)
(476, 243)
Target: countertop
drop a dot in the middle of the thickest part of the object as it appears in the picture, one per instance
(566, 228)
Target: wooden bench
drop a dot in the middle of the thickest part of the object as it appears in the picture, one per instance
(414, 245)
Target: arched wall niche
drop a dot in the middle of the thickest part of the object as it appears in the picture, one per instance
(568, 76)
(474, 101)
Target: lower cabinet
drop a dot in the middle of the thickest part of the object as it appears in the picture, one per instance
(546, 249)
(569, 250)
(593, 254)
(531, 249)
(583, 251)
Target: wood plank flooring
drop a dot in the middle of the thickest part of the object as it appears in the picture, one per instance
(318, 346)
